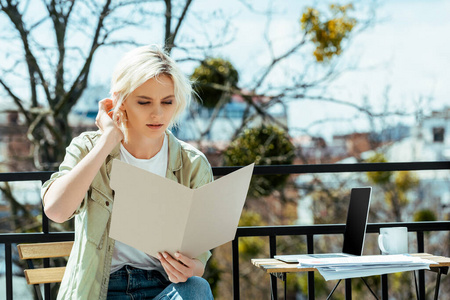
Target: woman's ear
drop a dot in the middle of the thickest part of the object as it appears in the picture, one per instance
(122, 106)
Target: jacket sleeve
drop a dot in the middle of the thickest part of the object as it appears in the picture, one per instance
(75, 152)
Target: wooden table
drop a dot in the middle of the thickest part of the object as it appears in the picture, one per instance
(279, 269)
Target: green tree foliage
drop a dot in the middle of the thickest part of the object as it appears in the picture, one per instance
(250, 247)
(424, 215)
(264, 145)
(379, 177)
(321, 291)
(211, 72)
(213, 274)
(394, 184)
(330, 206)
(328, 33)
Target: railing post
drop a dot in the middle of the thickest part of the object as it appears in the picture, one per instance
(384, 287)
(45, 224)
(47, 291)
(348, 289)
(45, 229)
(273, 279)
(8, 271)
(421, 249)
(235, 256)
(310, 250)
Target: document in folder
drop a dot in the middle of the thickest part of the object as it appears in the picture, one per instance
(154, 214)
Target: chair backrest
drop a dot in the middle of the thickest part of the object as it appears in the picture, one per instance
(44, 250)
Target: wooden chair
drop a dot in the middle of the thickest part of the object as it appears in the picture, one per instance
(37, 276)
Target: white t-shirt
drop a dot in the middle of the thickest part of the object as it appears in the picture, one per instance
(127, 255)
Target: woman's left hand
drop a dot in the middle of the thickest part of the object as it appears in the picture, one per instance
(180, 268)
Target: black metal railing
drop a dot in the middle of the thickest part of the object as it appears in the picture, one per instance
(272, 232)
(9, 239)
(310, 231)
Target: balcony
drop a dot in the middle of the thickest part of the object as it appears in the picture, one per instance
(272, 233)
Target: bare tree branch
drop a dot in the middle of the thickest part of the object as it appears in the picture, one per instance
(168, 22)
(223, 99)
(170, 35)
(14, 15)
(363, 109)
(125, 3)
(276, 61)
(180, 21)
(38, 23)
(17, 101)
(60, 21)
(204, 48)
(70, 98)
(120, 42)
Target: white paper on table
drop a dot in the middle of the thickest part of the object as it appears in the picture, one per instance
(333, 275)
(366, 265)
(154, 214)
(362, 260)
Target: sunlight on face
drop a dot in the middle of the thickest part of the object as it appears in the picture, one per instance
(150, 108)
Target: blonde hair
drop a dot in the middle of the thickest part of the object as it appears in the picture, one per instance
(140, 65)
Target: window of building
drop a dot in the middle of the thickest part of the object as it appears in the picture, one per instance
(438, 134)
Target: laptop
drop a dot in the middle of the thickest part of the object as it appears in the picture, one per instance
(355, 228)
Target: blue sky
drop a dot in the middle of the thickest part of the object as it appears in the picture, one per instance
(406, 50)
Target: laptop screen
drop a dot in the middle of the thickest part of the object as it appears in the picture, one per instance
(358, 212)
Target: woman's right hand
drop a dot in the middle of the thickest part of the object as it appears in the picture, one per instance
(104, 120)
(66, 193)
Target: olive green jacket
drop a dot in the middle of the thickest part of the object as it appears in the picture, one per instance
(88, 269)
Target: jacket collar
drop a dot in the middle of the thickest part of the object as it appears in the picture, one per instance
(175, 162)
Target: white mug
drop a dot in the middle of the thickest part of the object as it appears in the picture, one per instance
(393, 240)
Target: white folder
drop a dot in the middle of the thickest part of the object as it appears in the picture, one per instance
(154, 214)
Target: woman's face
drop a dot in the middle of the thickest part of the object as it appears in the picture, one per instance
(150, 108)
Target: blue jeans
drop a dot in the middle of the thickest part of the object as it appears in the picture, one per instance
(136, 284)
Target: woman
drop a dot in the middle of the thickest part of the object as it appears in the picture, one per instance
(149, 93)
